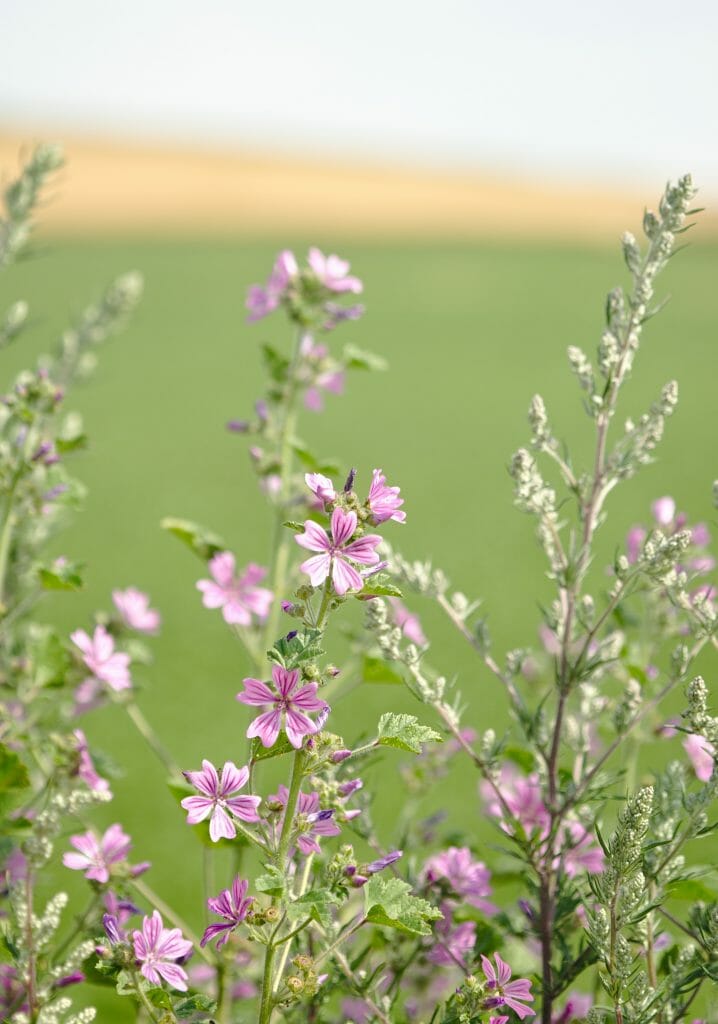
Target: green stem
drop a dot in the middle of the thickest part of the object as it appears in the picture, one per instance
(150, 736)
(285, 940)
(141, 995)
(267, 1004)
(291, 805)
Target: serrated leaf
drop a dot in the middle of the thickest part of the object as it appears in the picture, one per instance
(389, 903)
(202, 541)
(197, 1008)
(378, 588)
(314, 904)
(376, 670)
(60, 576)
(158, 997)
(14, 778)
(359, 359)
(405, 733)
(297, 647)
(261, 753)
(292, 524)
(272, 882)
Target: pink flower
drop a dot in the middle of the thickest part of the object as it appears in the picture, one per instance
(469, 879)
(407, 622)
(332, 381)
(261, 301)
(505, 992)
(581, 853)
(135, 611)
(106, 665)
(239, 597)
(158, 948)
(702, 754)
(337, 551)
(232, 905)
(522, 796)
(576, 1007)
(290, 699)
(86, 769)
(452, 943)
(218, 798)
(310, 823)
(384, 501)
(321, 486)
(96, 856)
(664, 511)
(333, 272)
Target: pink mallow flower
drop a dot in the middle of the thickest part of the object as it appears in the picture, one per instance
(290, 703)
(219, 799)
(231, 904)
(337, 552)
(384, 501)
(702, 754)
(333, 272)
(468, 878)
(321, 486)
(134, 608)
(576, 1007)
(86, 769)
(96, 856)
(107, 665)
(239, 597)
(505, 992)
(580, 852)
(158, 949)
(407, 622)
(261, 301)
(310, 823)
(522, 796)
(452, 943)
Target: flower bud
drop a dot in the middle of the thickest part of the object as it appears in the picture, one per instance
(295, 984)
(272, 915)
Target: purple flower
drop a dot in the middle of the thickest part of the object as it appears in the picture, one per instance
(290, 703)
(231, 904)
(96, 856)
(375, 866)
(452, 943)
(261, 301)
(157, 949)
(337, 551)
(384, 501)
(135, 611)
(86, 769)
(107, 665)
(470, 879)
(333, 272)
(218, 798)
(310, 822)
(576, 1008)
(505, 992)
(239, 597)
(522, 797)
(702, 755)
(321, 486)
(580, 852)
(337, 314)
(407, 622)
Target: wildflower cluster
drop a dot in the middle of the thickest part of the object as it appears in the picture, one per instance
(586, 904)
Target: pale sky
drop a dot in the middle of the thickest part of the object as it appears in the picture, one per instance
(608, 90)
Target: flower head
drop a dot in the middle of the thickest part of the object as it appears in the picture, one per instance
(96, 856)
(452, 942)
(134, 608)
(310, 823)
(231, 904)
(158, 949)
(263, 300)
(333, 272)
(504, 992)
(239, 597)
(581, 853)
(407, 622)
(108, 666)
(219, 800)
(469, 879)
(384, 501)
(290, 702)
(702, 755)
(337, 551)
(86, 769)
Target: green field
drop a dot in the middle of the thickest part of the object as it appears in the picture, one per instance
(471, 331)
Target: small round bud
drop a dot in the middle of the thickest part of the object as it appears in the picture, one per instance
(295, 984)
(272, 914)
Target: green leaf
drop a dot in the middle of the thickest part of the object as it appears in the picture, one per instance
(314, 904)
(521, 757)
(389, 903)
(60, 575)
(292, 524)
(691, 889)
(125, 984)
(272, 882)
(376, 670)
(358, 359)
(158, 997)
(405, 733)
(49, 656)
(378, 586)
(196, 1008)
(277, 364)
(297, 647)
(198, 538)
(261, 753)
(327, 467)
(14, 778)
